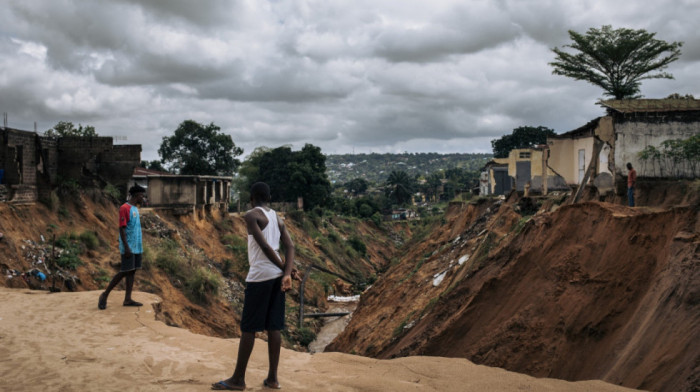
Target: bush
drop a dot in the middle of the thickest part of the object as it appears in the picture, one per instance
(306, 336)
(68, 186)
(89, 238)
(357, 244)
(52, 201)
(113, 192)
(147, 257)
(69, 257)
(297, 216)
(169, 261)
(201, 283)
(377, 219)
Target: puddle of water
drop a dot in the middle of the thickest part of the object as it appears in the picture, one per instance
(333, 326)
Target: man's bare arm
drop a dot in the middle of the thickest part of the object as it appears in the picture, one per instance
(289, 249)
(251, 221)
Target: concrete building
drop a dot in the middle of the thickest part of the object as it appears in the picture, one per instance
(32, 165)
(598, 151)
(184, 194)
(522, 166)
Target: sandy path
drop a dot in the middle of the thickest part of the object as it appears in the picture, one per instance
(62, 342)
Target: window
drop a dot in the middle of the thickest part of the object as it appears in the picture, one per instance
(524, 154)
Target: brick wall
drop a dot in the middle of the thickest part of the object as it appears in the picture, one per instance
(97, 156)
(32, 163)
(16, 143)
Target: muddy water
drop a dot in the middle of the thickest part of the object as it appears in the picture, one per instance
(333, 326)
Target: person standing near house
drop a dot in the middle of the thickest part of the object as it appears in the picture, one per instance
(631, 183)
(130, 247)
(268, 279)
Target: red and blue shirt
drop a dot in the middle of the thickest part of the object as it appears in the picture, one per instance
(129, 218)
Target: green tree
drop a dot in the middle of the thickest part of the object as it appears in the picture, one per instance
(66, 128)
(432, 185)
(290, 174)
(200, 149)
(400, 187)
(153, 165)
(617, 60)
(522, 137)
(357, 186)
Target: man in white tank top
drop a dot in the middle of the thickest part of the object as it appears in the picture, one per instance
(268, 279)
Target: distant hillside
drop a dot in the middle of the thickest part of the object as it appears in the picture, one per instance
(376, 167)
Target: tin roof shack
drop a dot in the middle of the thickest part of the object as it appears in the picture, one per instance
(639, 123)
(185, 194)
(28, 165)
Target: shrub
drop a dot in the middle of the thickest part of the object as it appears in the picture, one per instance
(113, 192)
(333, 237)
(377, 219)
(68, 258)
(63, 212)
(68, 186)
(89, 238)
(357, 244)
(147, 257)
(200, 283)
(306, 336)
(169, 261)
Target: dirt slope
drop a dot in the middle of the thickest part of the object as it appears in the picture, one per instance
(175, 247)
(589, 291)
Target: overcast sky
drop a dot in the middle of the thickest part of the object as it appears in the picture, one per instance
(362, 76)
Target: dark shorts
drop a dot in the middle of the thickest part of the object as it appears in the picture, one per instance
(131, 263)
(263, 306)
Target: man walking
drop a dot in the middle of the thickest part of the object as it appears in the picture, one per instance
(268, 279)
(631, 183)
(130, 247)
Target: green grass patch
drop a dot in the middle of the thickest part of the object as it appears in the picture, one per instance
(89, 239)
(201, 283)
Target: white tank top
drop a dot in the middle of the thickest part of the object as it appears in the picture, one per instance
(261, 268)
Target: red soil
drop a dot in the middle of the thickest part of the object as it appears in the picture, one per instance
(590, 291)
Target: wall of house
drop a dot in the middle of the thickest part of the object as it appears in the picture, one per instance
(564, 157)
(171, 191)
(18, 159)
(19, 169)
(560, 158)
(97, 156)
(635, 134)
(491, 177)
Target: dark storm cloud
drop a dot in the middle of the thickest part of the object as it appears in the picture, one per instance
(378, 75)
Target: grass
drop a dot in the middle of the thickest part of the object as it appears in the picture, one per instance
(89, 239)
(200, 283)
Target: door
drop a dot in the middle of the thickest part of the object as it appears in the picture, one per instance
(500, 176)
(522, 174)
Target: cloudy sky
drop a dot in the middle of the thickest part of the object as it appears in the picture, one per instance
(362, 76)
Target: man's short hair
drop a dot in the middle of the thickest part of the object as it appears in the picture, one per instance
(260, 191)
(629, 165)
(136, 189)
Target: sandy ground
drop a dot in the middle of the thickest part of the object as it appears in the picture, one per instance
(62, 342)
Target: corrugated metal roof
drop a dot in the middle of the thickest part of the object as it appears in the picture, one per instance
(651, 105)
